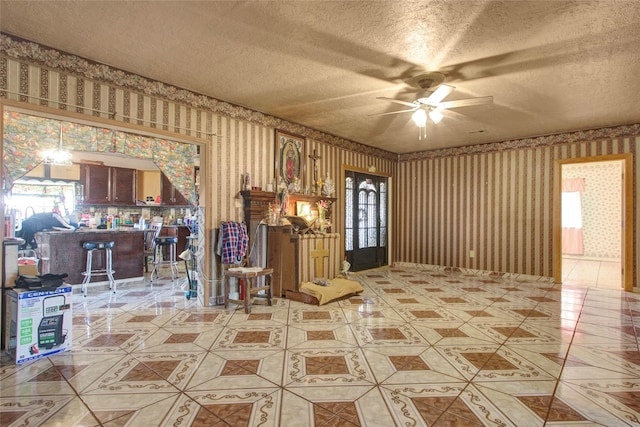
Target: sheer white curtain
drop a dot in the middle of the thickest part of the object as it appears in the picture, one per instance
(572, 235)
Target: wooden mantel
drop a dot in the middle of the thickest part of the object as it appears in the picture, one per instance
(256, 205)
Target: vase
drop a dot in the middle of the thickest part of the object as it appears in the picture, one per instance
(322, 214)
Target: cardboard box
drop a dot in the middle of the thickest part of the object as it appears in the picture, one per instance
(27, 263)
(28, 270)
(38, 323)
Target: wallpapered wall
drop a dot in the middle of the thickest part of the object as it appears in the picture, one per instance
(601, 206)
(237, 139)
(494, 199)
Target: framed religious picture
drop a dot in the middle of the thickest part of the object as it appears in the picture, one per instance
(303, 209)
(289, 161)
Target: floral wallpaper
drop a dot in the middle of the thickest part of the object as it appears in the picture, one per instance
(601, 206)
(25, 136)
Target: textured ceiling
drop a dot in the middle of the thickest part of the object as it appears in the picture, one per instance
(551, 66)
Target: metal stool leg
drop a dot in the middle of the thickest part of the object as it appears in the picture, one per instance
(155, 264)
(173, 261)
(110, 271)
(87, 273)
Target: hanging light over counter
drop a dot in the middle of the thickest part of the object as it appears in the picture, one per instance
(57, 156)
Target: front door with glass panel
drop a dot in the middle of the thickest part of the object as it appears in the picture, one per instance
(366, 228)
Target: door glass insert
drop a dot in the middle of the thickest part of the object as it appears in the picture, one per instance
(366, 220)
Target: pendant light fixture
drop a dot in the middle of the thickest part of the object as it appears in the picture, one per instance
(57, 156)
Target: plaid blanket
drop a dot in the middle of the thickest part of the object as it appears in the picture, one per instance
(232, 242)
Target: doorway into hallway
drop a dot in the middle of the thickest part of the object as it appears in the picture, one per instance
(593, 240)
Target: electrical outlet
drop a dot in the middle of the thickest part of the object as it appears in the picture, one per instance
(472, 254)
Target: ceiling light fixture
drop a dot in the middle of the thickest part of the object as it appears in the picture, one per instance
(57, 156)
(419, 117)
(436, 115)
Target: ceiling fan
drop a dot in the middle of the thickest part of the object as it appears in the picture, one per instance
(429, 102)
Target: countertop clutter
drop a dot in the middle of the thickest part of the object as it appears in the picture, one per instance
(136, 220)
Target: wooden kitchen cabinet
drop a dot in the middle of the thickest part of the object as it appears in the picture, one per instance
(170, 195)
(96, 181)
(108, 185)
(123, 186)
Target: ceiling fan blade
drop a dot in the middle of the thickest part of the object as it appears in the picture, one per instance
(397, 101)
(394, 112)
(439, 94)
(466, 102)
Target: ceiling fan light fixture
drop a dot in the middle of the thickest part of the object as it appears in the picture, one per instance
(429, 103)
(436, 115)
(419, 117)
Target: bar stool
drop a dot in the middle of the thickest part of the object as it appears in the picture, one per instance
(165, 255)
(108, 271)
(247, 290)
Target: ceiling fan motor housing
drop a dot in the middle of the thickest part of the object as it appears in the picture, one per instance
(426, 80)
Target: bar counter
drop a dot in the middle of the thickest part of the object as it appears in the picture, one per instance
(61, 252)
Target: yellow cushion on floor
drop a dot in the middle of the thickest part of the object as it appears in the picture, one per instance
(339, 288)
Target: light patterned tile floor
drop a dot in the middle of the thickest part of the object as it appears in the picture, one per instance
(419, 347)
(599, 273)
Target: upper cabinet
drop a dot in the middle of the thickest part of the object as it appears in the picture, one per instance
(123, 186)
(170, 195)
(96, 180)
(108, 185)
